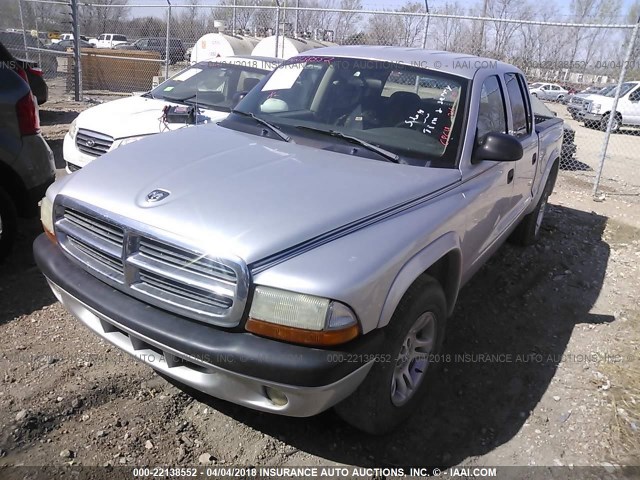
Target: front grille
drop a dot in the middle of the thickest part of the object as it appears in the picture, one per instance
(93, 143)
(160, 272)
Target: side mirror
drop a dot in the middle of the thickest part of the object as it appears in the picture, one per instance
(237, 97)
(498, 147)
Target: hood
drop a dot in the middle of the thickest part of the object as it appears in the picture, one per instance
(133, 116)
(243, 194)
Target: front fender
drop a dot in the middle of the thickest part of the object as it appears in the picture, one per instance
(417, 265)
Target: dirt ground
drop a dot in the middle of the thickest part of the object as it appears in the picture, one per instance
(544, 366)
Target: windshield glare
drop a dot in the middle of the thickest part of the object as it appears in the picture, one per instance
(211, 84)
(408, 111)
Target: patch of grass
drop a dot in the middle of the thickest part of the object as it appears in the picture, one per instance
(625, 394)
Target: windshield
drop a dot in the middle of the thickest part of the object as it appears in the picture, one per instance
(408, 111)
(624, 89)
(535, 85)
(606, 90)
(211, 84)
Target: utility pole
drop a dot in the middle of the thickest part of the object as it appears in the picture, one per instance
(481, 41)
(426, 25)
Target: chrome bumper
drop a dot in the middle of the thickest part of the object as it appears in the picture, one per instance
(215, 381)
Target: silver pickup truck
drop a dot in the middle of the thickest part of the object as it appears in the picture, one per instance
(306, 252)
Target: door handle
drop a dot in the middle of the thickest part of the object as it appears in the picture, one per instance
(510, 176)
(534, 159)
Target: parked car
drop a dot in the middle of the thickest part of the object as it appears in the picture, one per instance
(577, 103)
(307, 251)
(598, 110)
(14, 43)
(159, 45)
(63, 45)
(548, 91)
(68, 36)
(213, 87)
(109, 40)
(26, 161)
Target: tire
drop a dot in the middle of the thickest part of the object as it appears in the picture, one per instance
(8, 223)
(528, 231)
(615, 126)
(380, 404)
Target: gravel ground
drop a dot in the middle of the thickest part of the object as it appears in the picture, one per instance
(563, 315)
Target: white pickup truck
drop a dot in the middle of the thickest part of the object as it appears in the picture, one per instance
(306, 252)
(109, 40)
(598, 109)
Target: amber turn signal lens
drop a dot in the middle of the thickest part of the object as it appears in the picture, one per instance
(50, 235)
(300, 335)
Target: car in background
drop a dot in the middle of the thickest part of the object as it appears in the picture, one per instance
(63, 45)
(109, 40)
(212, 88)
(577, 103)
(548, 91)
(26, 161)
(599, 109)
(159, 45)
(37, 54)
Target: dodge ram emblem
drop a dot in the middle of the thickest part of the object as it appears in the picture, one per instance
(157, 195)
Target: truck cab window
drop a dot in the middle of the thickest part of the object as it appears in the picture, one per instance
(491, 112)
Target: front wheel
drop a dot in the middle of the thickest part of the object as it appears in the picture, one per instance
(615, 125)
(395, 386)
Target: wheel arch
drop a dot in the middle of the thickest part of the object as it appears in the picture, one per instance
(442, 260)
(11, 183)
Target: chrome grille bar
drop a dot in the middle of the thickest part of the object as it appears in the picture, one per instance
(163, 273)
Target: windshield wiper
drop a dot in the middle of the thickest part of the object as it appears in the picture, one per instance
(271, 127)
(390, 156)
(175, 99)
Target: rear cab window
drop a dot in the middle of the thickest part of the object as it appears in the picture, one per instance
(522, 124)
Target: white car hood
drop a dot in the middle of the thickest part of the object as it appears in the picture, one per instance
(133, 116)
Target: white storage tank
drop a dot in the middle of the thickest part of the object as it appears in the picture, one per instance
(214, 45)
(287, 46)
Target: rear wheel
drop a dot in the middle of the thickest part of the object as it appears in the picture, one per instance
(528, 231)
(8, 223)
(396, 384)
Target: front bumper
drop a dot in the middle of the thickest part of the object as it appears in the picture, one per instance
(234, 366)
(592, 117)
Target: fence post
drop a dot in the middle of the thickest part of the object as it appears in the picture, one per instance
(277, 26)
(77, 66)
(616, 97)
(426, 25)
(167, 56)
(24, 34)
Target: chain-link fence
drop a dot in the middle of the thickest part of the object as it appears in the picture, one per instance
(579, 60)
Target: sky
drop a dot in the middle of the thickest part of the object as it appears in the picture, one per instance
(562, 5)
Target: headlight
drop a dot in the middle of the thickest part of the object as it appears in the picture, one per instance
(595, 107)
(301, 318)
(125, 141)
(46, 217)
(73, 130)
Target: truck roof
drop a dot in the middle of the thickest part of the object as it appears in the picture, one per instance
(461, 64)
